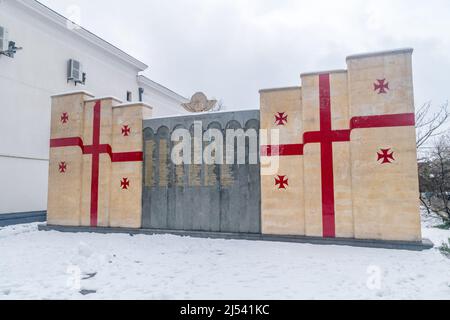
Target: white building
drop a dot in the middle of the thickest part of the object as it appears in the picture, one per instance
(40, 70)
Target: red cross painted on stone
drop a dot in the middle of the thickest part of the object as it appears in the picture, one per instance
(386, 156)
(62, 167)
(125, 184)
(65, 118)
(281, 118)
(126, 131)
(95, 150)
(282, 182)
(326, 137)
(381, 86)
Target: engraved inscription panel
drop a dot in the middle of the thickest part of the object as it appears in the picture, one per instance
(213, 195)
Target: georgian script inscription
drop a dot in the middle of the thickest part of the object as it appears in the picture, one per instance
(193, 174)
(179, 176)
(227, 178)
(164, 159)
(210, 175)
(149, 178)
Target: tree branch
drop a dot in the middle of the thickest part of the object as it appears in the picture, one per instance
(430, 125)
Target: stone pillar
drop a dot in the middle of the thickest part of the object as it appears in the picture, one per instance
(355, 140)
(66, 159)
(312, 156)
(342, 184)
(96, 155)
(282, 194)
(384, 159)
(127, 176)
(97, 135)
(327, 170)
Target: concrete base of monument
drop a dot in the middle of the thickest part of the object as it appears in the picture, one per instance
(398, 245)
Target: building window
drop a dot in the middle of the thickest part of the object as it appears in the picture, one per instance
(129, 96)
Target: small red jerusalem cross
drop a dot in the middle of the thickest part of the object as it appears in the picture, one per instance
(385, 156)
(281, 118)
(126, 131)
(62, 167)
(64, 118)
(382, 86)
(282, 182)
(125, 184)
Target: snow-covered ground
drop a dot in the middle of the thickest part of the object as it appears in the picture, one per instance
(52, 265)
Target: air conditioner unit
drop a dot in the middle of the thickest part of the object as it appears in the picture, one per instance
(74, 71)
(4, 43)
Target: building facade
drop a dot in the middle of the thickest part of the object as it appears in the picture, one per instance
(38, 71)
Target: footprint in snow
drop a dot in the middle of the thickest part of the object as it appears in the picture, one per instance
(88, 276)
(85, 292)
(6, 292)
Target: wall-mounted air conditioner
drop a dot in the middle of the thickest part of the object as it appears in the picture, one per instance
(75, 72)
(7, 48)
(4, 42)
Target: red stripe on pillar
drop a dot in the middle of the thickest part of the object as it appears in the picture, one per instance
(134, 156)
(66, 142)
(127, 157)
(95, 163)
(282, 150)
(328, 210)
(383, 121)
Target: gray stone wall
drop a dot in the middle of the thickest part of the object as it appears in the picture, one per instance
(200, 197)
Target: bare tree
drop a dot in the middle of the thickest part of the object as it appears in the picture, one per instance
(434, 175)
(431, 124)
(433, 167)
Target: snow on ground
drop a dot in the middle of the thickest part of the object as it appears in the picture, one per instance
(53, 265)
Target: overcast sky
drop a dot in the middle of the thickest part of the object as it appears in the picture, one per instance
(230, 49)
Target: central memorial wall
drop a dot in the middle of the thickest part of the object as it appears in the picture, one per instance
(196, 196)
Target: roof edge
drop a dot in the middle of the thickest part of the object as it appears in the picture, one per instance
(189, 115)
(159, 87)
(95, 99)
(380, 53)
(279, 89)
(72, 93)
(60, 20)
(318, 73)
(133, 104)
